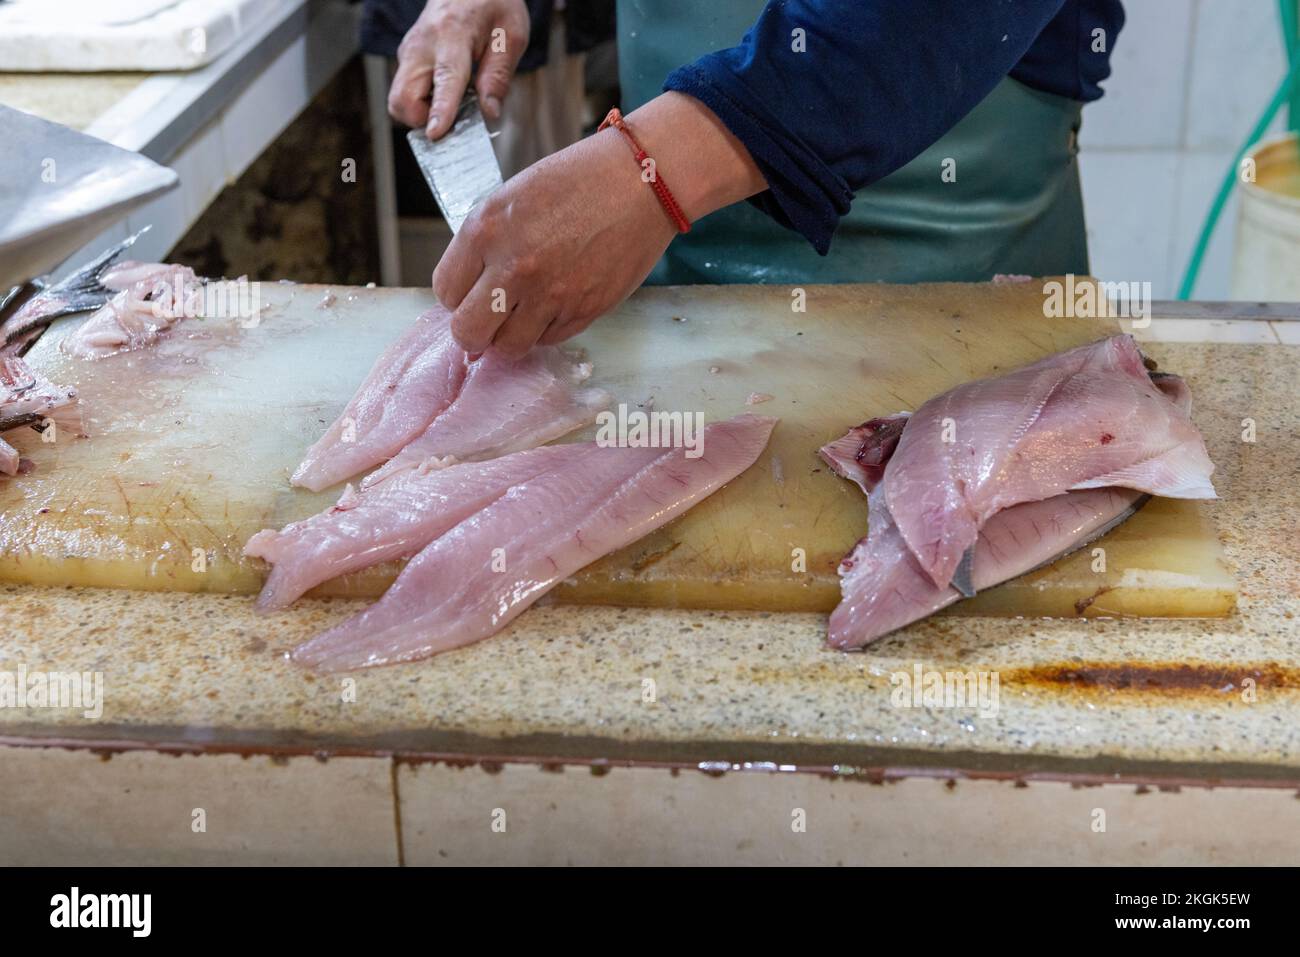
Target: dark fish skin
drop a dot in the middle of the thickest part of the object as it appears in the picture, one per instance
(16, 333)
(18, 421)
(82, 291)
(15, 297)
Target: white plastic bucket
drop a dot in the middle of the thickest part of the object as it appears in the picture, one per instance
(1266, 260)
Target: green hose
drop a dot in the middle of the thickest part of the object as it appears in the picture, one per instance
(1289, 13)
(1288, 92)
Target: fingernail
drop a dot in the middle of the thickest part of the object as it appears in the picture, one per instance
(431, 125)
(492, 106)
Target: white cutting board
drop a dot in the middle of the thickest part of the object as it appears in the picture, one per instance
(97, 35)
(192, 443)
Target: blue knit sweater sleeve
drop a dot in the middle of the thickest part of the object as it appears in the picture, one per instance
(829, 96)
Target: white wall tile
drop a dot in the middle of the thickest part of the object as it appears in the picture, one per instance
(165, 217)
(1129, 202)
(1199, 177)
(1144, 101)
(1141, 220)
(1249, 331)
(1288, 333)
(1237, 63)
(77, 808)
(202, 169)
(247, 125)
(651, 817)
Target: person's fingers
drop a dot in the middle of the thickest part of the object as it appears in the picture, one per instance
(561, 330)
(525, 326)
(496, 66)
(408, 96)
(556, 333)
(450, 79)
(476, 320)
(459, 268)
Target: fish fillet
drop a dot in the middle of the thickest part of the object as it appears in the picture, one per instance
(415, 379)
(885, 587)
(9, 458)
(83, 290)
(28, 399)
(424, 399)
(150, 298)
(127, 273)
(1086, 418)
(394, 520)
(504, 406)
(471, 582)
(863, 452)
(25, 393)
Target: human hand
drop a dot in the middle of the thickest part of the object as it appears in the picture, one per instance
(553, 248)
(438, 53)
(572, 236)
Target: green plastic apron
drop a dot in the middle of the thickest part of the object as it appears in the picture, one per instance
(1015, 205)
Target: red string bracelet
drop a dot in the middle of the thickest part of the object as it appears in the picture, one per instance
(666, 199)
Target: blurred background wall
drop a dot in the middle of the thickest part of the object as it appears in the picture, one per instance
(1190, 77)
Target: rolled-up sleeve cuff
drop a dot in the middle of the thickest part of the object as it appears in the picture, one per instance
(804, 194)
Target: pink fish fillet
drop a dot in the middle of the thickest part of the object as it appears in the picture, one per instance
(129, 272)
(150, 298)
(394, 520)
(27, 398)
(1087, 418)
(24, 392)
(504, 406)
(883, 585)
(862, 453)
(471, 582)
(885, 588)
(9, 458)
(418, 377)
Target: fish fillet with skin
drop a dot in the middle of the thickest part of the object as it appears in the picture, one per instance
(84, 290)
(884, 587)
(415, 379)
(27, 398)
(394, 520)
(9, 458)
(150, 298)
(25, 393)
(1087, 418)
(455, 592)
(504, 406)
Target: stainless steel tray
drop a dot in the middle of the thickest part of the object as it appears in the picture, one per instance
(59, 189)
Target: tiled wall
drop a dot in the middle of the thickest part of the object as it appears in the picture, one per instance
(1190, 78)
(78, 807)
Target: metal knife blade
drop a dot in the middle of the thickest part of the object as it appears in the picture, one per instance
(460, 168)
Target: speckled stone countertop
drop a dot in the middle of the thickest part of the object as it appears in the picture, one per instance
(1214, 699)
(73, 99)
